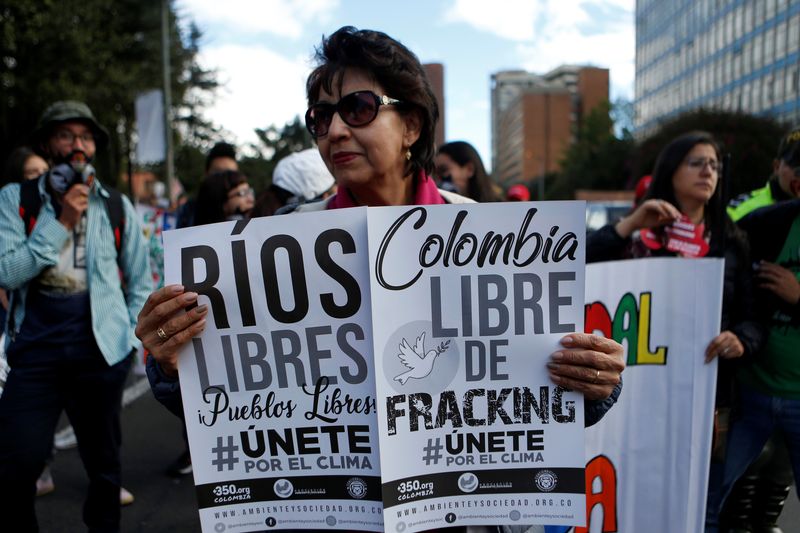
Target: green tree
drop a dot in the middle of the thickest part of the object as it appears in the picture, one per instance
(751, 140)
(275, 144)
(103, 52)
(596, 160)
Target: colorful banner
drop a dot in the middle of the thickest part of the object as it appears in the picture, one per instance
(468, 303)
(647, 461)
(154, 221)
(279, 391)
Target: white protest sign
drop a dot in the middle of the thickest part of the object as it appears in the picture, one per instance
(647, 461)
(468, 303)
(278, 391)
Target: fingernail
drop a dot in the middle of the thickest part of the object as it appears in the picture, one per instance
(555, 379)
(201, 324)
(566, 341)
(201, 309)
(558, 356)
(176, 289)
(553, 365)
(189, 297)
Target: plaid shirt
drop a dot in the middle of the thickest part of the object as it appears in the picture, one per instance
(23, 257)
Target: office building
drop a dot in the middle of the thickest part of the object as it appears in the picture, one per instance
(733, 55)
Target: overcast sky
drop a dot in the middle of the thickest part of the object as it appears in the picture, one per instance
(262, 50)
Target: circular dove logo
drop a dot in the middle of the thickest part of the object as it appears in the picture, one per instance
(414, 359)
(468, 482)
(283, 488)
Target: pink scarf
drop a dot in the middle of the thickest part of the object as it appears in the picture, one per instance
(426, 193)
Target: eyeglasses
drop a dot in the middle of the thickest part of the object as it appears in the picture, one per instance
(356, 109)
(68, 137)
(242, 193)
(700, 163)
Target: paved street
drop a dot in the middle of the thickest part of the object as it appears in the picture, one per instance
(152, 440)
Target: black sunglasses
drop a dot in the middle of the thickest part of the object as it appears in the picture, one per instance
(356, 109)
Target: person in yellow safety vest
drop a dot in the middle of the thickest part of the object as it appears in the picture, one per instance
(783, 185)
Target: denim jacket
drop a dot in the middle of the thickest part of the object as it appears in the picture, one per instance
(23, 257)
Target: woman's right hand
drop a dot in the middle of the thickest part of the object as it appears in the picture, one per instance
(649, 214)
(164, 327)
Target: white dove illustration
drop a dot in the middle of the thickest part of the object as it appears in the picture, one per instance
(419, 363)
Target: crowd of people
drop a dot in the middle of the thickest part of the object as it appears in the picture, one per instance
(76, 288)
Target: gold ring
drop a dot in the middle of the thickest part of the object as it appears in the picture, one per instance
(597, 376)
(162, 334)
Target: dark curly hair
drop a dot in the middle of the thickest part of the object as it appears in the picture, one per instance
(390, 64)
(220, 150)
(213, 194)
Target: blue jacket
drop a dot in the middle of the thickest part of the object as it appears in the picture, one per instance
(23, 257)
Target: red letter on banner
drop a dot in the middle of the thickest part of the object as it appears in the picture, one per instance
(601, 468)
(596, 318)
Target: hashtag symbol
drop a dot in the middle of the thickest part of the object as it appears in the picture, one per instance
(225, 457)
(433, 452)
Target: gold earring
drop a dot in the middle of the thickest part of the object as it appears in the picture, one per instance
(408, 155)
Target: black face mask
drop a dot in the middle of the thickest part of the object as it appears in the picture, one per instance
(447, 184)
(70, 170)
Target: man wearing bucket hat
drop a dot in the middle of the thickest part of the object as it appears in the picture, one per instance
(79, 275)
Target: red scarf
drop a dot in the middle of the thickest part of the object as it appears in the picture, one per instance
(425, 193)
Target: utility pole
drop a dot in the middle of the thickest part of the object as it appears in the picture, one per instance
(169, 165)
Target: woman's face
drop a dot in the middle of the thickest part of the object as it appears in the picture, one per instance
(240, 200)
(369, 157)
(34, 167)
(696, 178)
(459, 175)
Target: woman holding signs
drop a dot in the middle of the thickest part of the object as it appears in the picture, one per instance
(373, 114)
(683, 215)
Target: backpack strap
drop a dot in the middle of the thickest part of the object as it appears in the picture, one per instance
(116, 215)
(30, 202)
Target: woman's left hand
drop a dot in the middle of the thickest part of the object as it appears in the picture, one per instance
(589, 364)
(726, 345)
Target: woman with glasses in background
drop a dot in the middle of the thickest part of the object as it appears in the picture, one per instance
(686, 189)
(459, 164)
(223, 196)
